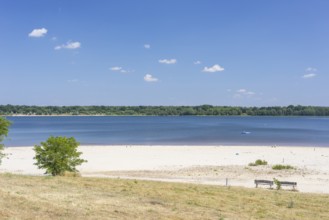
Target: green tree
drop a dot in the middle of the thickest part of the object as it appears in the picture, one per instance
(57, 155)
(4, 125)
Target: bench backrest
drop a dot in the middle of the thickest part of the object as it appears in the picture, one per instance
(264, 181)
(288, 183)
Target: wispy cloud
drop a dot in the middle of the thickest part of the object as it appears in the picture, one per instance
(240, 93)
(72, 80)
(311, 69)
(147, 46)
(244, 91)
(120, 69)
(168, 61)
(116, 68)
(69, 45)
(197, 62)
(214, 68)
(150, 78)
(38, 32)
(309, 73)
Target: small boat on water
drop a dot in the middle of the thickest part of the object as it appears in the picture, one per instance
(245, 132)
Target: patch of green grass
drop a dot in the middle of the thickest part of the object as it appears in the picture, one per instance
(258, 163)
(282, 167)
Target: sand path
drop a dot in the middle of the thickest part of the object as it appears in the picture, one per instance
(194, 164)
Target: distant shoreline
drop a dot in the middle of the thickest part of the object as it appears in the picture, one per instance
(278, 116)
(187, 145)
(200, 110)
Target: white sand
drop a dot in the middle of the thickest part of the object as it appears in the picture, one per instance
(195, 164)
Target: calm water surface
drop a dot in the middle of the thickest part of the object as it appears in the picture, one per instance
(290, 131)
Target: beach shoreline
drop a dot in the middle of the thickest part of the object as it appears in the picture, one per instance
(216, 165)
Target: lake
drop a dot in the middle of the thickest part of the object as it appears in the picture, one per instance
(194, 130)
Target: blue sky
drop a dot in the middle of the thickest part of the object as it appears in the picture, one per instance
(148, 52)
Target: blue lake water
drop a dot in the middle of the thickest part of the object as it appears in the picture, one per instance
(290, 131)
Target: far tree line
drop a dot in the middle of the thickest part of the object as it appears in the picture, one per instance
(202, 110)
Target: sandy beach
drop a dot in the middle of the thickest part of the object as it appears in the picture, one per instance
(193, 164)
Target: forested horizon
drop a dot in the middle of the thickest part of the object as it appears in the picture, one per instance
(200, 110)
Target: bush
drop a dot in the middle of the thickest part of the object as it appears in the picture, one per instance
(4, 124)
(58, 155)
(277, 183)
(258, 163)
(282, 167)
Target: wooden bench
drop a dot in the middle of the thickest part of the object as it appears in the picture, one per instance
(286, 183)
(270, 183)
(264, 182)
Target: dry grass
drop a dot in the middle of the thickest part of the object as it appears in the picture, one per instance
(31, 197)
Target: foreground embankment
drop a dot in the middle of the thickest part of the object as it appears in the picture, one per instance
(44, 197)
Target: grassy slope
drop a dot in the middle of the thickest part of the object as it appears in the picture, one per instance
(30, 197)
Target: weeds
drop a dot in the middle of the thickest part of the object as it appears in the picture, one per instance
(258, 163)
(290, 204)
(282, 167)
(277, 183)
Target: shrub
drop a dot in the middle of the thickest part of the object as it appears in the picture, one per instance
(258, 163)
(58, 155)
(4, 124)
(282, 167)
(277, 183)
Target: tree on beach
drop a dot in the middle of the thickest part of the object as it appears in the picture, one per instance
(4, 125)
(58, 155)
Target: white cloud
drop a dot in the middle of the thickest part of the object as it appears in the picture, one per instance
(167, 61)
(72, 45)
(116, 68)
(214, 68)
(309, 75)
(69, 45)
(150, 78)
(240, 93)
(54, 38)
(72, 80)
(197, 62)
(147, 46)
(311, 69)
(38, 32)
(120, 69)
